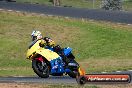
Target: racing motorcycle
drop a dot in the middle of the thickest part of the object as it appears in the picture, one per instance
(45, 61)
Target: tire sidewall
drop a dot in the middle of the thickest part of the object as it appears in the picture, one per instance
(39, 73)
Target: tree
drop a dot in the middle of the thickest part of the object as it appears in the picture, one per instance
(112, 4)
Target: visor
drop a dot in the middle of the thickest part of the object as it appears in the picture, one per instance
(34, 38)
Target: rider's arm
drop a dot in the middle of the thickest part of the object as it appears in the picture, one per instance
(49, 41)
(42, 43)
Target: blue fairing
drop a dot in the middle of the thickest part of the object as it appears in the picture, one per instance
(50, 48)
(57, 65)
(67, 51)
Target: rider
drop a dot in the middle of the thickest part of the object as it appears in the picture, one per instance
(48, 42)
(36, 35)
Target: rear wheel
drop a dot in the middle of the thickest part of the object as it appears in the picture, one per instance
(57, 74)
(72, 74)
(40, 68)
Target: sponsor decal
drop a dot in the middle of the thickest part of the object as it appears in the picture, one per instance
(104, 78)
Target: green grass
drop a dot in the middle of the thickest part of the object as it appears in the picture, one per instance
(36, 1)
(73, 3)
(98, 46)
(127, 5)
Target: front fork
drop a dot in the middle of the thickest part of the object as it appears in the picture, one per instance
(42, 61)
(81, 72)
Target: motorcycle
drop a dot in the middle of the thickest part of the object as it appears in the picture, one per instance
(46, 62)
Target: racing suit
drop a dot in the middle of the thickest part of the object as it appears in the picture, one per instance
(46, 41)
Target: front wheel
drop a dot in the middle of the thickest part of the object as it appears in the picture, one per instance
(74, 68)
(40, 68)
(72, 74)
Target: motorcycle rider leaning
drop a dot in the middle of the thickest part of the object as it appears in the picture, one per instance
(48, 42)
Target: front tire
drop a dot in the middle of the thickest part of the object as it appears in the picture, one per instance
(74, 69)
(39, 69)
(72, 74)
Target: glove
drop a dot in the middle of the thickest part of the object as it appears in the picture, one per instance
(51, 43)
(57, 48)
(42, 43)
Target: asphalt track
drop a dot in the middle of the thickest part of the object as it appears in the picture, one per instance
(51, 79)
(35, 79)
(95, 14)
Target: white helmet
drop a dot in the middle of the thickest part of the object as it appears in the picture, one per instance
(36, 35)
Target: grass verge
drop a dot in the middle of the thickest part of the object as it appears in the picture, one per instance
(98, 46)
(39, 85)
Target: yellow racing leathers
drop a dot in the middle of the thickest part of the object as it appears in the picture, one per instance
(46, 41)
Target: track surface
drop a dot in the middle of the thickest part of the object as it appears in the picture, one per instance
(51, 79)
(58, 80)
(113, 16)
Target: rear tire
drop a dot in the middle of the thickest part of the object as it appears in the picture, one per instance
(57, 74)
(41, 71)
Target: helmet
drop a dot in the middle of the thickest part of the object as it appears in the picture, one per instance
(36, 35)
